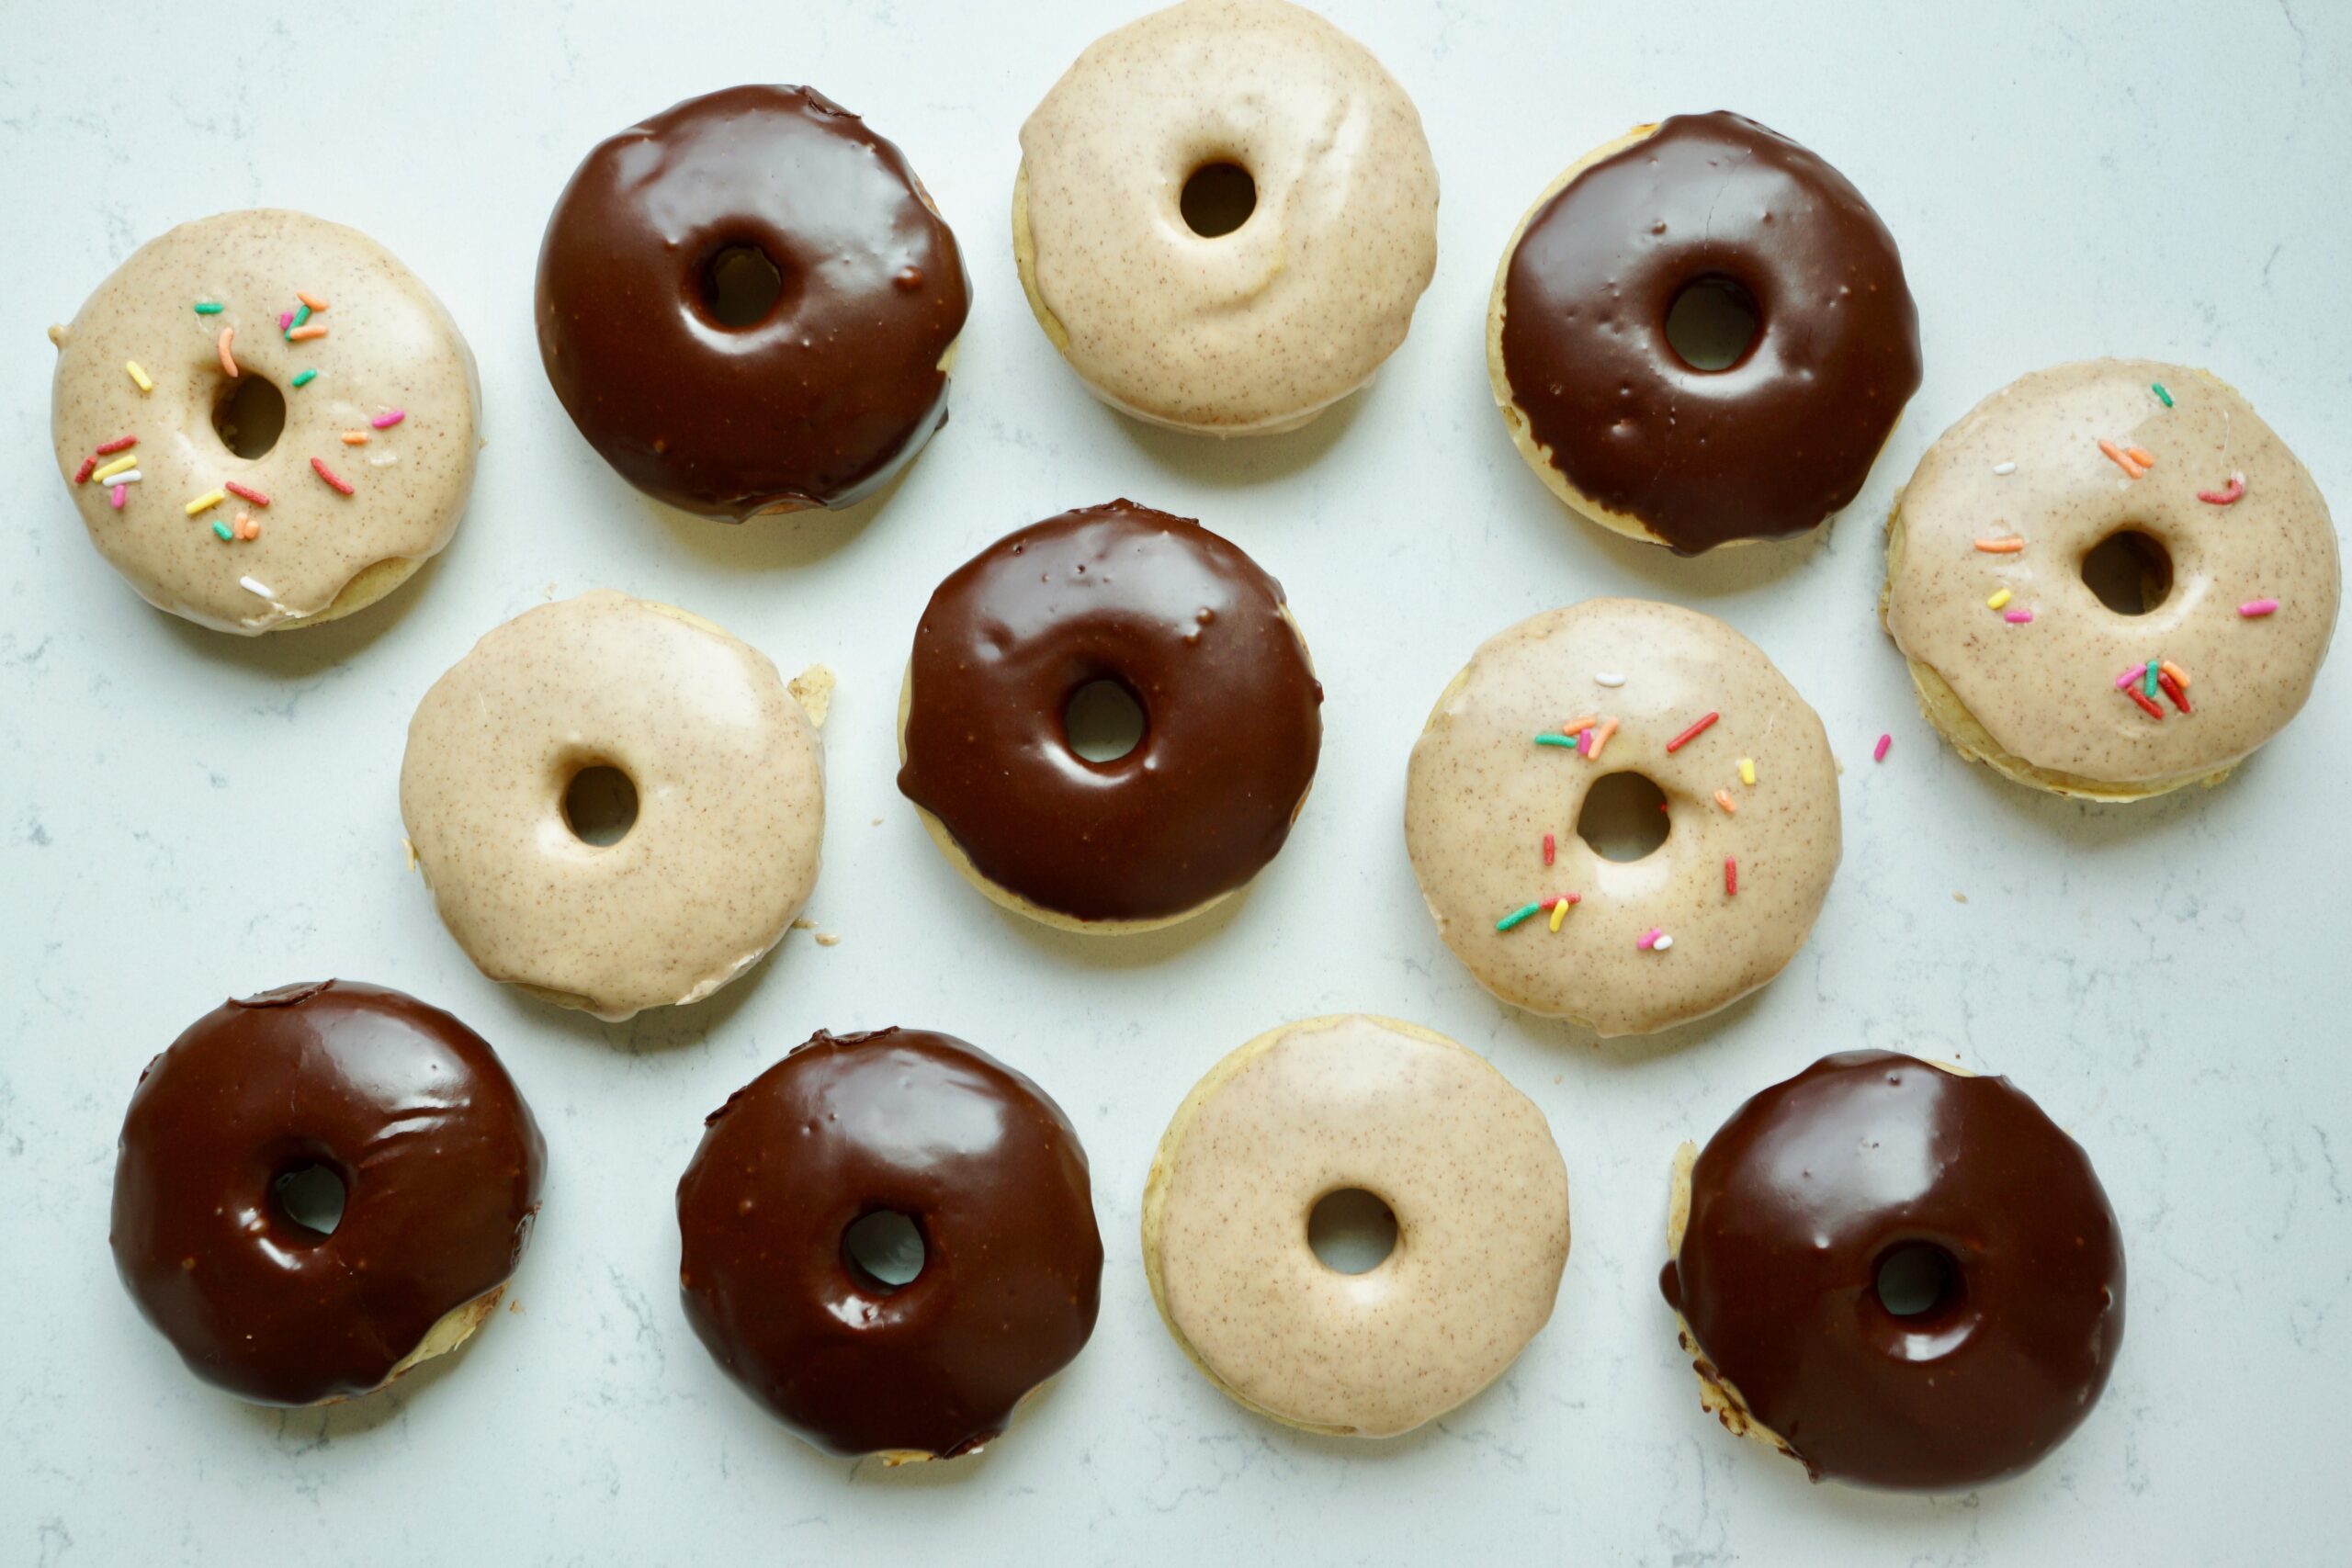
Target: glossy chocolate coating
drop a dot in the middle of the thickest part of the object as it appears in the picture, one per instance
(440, 1161)
(991, 1174)
(829, 395)
(1194, 631)
(1811, 1184)
(1779, 439)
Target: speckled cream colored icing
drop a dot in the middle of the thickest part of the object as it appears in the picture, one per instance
(731, 803)
(1464, 1161)
(388, 345)
(1481, 793)
(1260, 329)
(2037, 700)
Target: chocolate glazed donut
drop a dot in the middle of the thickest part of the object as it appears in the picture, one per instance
(925, 1126)
(1194, 632)
(439, 1161)
(1785, 434)
(1809, 1188)
(830, 387)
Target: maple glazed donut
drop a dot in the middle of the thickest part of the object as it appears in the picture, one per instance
(1192, 630)
(1465, 1162)
(1225, 214)
(437, 1157)
(1500, 778)
(617, 804)
(2111, 579)
(747, 303)
(266, 421)
(1900, 1274)
(991, 1175)
(1698, 211)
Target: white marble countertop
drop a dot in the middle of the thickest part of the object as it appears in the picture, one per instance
(184, 816)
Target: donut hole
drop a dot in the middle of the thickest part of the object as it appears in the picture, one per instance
(1351, 1230)
(884, 1249)
(309, 1197)
(1712, 324)
(1102, 721)
(2130, 571)
(600, 804)
(740, 285)
(248, 415)
(1217, 198)
(1624, 818)
(1917, 1280)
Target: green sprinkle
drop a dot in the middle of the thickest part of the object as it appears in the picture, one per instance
(2161, 396)
(221, 529)
(304, 377)
(1515, 916)
(208, 307)
(2149, 685)
(300, 316)
(1568, 740)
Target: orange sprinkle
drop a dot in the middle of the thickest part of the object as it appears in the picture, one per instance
(1724, 799)
(2007, 547)
(304, 334)
(1600, 735)
(354, 438)
(1578, 726)
(2141, 455)
(228, 359)
(243, 527)
(2121, 458)
(2174, 671)
(313, 300)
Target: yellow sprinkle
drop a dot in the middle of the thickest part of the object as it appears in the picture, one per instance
(1998, 600)
(209, 499)
(121, 465)
(1748, 769)
(1559, 913)
(139, 376)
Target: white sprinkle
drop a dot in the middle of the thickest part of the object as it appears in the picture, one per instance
(2005, 468)
(255, 587)
(130, 477)
(1609, 678)
(1661, 944)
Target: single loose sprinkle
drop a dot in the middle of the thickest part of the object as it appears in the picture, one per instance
(121, 465)
(208, 307)
(1559, 912)
(254, 586)
(2004, 469)
(2141, 455)
(1516, 916)
(1724, 799)
(1731, 876)
(1606, 727)
(340, 485)
(391, 417)
(245, 493)
(2225, 496)
(2154, 711)
(82, 475)
(139, 376)
(304, 377)
(1649, 939)
(313, 300)
(304, 334)
(1568, 740)
(1748, 769)
(2019, 617)
(119, 444)
(2161, 396)
(1548, 847)
(118, 495)
(1878, 753)
(2173, 690)
(1662, 943)
(354, 438)
(222, 530)
(1574, 724)
(1693, 733)
(1609, 678)
(2121, 458)
(2166, 667)
(2000, 597)
(228, 359)
(2004, 547)
(2255, 609)
(205, 502)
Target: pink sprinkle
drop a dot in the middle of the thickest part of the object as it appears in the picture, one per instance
(2227, 494)
(342, 485)
(1584, 741)
(2133, 673)
(1878, 753)
(2018, 617)
(386, 421)
(285, 319)
(1547, 848)
(1648, 939)
(119, 444)
(119, 495)
(2253, 609)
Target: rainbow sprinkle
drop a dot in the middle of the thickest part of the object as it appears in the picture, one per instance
(210, 307)
(118, 495)
(2003, 547)
(2000, 597)
(2152, 709)
(138, 376)
(228, 358)
(1517, 916)
(2121, 458)
(1731, 876)
(1724, 799)
(2161, 396)
(304, 377)
(1568, 740)
(205, 502)
(119, 465)
(1693, 733)
(1748, 769)
(304, 334)
(1878, 753)
(82, 475)
(223, 529)
(245, 493)
(2226, 496)
(254, 587)
(335, 481)
(2255, 609)
(1548, 848)
(285, 319)
(2149, 680)
(311, 301)
(2019, 617)
(119, 444)
(391, 417)
(1600, 734)
(2004, 469)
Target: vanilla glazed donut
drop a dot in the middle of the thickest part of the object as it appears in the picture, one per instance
(177, 354)
(1165, 312)
(2225, 543)
(437, 1157)
(1899, 1273)
(1465, 1163)
(1500, 777)
(1605, 408)
(720, 756)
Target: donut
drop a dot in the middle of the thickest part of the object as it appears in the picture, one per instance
(437, 1157)
(1225, 214)
(1464, 1161)
(1497, 821)
(748, 303)
(265, 419)
(719, 779)
(912, 1123)
(1716, 210)
(1901, 1276)
(1186, 625)
(2033, 655)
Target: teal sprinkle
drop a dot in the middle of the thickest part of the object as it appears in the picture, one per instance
(2148, 682)
(1515, 916)
(304, 377)
(208, 307)
(300, 316)
(221, 529)
(1567, 740)
(2161, 396)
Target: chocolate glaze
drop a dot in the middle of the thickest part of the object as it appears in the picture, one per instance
(1194, 631)
(1779, 439)
(1803, 1192)
(824, 400)
(990, 1172)
(440, 1160)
